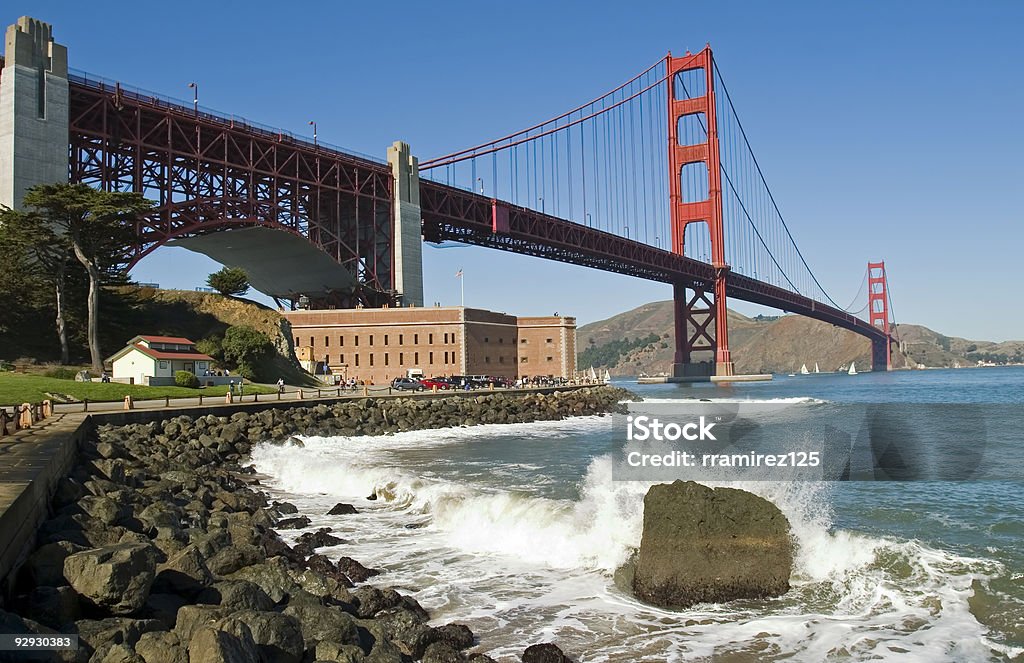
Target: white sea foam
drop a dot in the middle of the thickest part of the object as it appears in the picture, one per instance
(796, 400)
(511, 563)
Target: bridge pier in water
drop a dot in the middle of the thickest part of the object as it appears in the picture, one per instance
(697, 329)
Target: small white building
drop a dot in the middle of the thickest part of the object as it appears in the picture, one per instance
(153, 360)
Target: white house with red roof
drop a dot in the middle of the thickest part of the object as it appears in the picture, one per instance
(153, 360)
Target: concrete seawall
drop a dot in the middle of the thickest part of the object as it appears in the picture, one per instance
(34, 460)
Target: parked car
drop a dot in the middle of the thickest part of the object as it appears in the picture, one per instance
(407, 384)
(455, 381)
(430, 383)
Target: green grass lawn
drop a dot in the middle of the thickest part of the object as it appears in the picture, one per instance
(17, 388)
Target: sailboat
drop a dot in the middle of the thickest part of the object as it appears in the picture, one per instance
(853, 368)
(607, 376)
(816, 367)
(593, 374)
(803, 370)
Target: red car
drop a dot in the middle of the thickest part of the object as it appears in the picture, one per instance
(430, 383)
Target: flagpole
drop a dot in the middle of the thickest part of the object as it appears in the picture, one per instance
(462, 287)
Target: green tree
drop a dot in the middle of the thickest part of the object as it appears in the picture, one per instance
(98, 227)
(229, 281)
(31, 247)
(244, 348)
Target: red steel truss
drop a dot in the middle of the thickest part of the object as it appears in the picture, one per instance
(207, 173)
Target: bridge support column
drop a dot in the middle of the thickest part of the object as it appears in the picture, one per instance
(33, 110)
(694, 316)
(723, 358)
(408, 242)
(881, 354)
(878, 316)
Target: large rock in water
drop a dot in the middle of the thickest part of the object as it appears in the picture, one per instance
(704, 545)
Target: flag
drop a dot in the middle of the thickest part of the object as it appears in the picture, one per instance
(458, 274)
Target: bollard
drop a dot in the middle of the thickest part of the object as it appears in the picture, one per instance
(23, 417)
(255, 397)
(278, 394)
(298, 394)
(318, 392)
(229, 398)
(491, 384)
(85, 405)
(129, 404)
(167, 401)
(3, 422)
(339, 392)
(200, 399)
(434, 389)
(366, 390)
(47, 408)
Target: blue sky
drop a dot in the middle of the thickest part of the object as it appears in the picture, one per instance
(886, 130)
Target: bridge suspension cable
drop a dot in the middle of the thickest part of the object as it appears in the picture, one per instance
(604, 164)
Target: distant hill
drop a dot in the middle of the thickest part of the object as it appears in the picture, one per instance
(641, 341)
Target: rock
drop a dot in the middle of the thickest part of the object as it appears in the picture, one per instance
(46, 564)
(341, 509)
(545, 653)
(193, 617)
(237, 595)
(372, 496)
(338, 653)
(117, 578)
(212, 645)
(285, 508)
(355, 571)
(52, 606)
(704, 545)
(96, 635)
(320, 538)
(371, 600)
(161, 647)
(439, 652)
(68, 492)
(228, 560)
(184, 574)
(278, 637)
(407, 630)
(324, 566)
(320, 623)
(118, 653)
(163, 608)
(457, 636)
(293, 523)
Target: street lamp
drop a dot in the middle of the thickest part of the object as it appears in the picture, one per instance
(590, 221)
(313, 124)
(480, 180)
(541, 201)
(626, 227)
(195, 96)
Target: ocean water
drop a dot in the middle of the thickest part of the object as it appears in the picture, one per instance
(516, 530)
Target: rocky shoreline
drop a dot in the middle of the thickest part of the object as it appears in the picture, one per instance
(162, 547)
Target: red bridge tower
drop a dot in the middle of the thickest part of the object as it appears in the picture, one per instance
(878, 315)
(700, 324)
